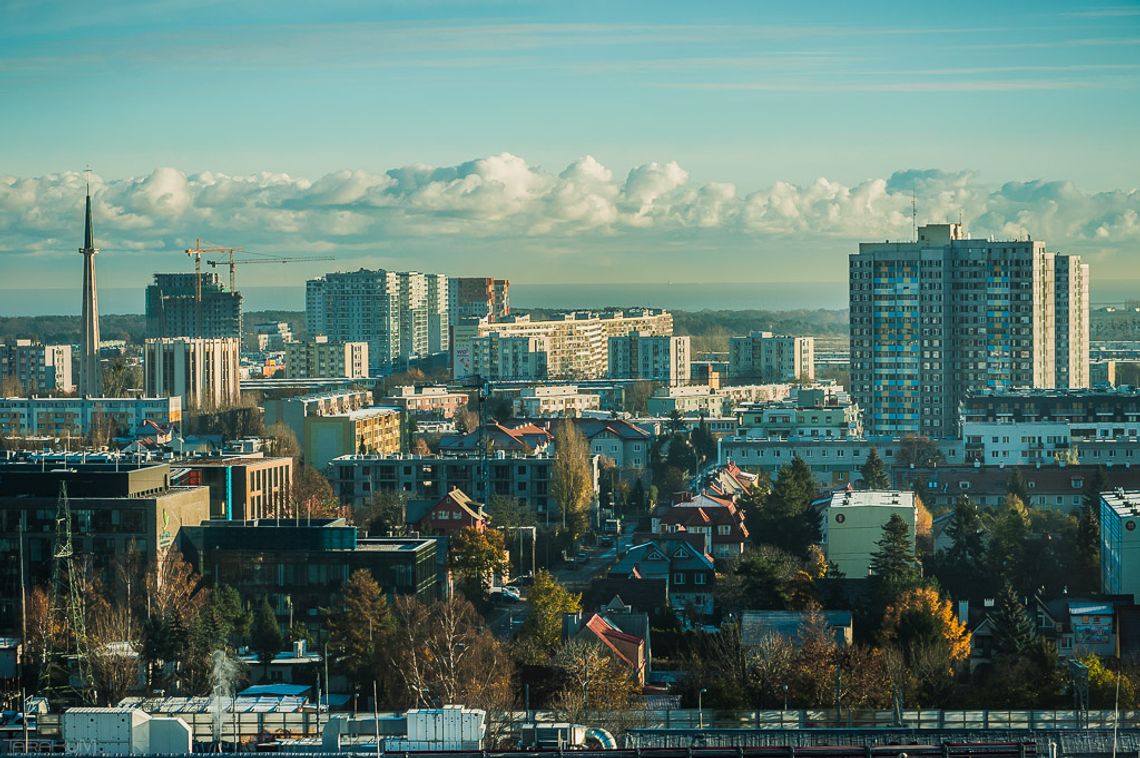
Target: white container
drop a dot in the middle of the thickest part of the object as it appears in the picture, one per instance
(169, 736)
(105, 731)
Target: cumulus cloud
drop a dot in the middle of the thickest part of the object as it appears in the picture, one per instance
(505, 196)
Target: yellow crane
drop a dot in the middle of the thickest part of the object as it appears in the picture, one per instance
(243, 261)
(197, 251)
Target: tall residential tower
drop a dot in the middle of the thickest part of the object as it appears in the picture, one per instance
(933, 318)
(90, 374)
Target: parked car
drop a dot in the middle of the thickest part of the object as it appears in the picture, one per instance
(523, 580)
(582, 556)
(508, 590)
(498, 595)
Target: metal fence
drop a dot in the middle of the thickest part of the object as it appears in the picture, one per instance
(831, 718)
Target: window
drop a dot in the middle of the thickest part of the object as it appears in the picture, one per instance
(723, 529)
(678, 578)
(699, 579)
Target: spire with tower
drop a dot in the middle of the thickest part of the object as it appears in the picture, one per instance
(90, 375)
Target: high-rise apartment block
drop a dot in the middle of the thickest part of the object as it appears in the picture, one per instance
(1071, 285)
(37, 368)
(934, 318)
(766, 358)
(479, 297)
(402, 315)
(658, 358)
(576, 345)
(204, 372)
(318, 359)
(1120, 543)
(173, 307)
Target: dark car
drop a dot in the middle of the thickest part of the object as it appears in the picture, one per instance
(523, 580)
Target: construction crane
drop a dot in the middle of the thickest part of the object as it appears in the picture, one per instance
(243, 261)
(197, 251)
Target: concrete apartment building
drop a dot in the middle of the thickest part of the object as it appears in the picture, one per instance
(658, 358)
(77, 416)
(292, 411)
(809, 416)
(427, 477)
(1071, 287)
(439, 402)
(248, 487)
(478, 297)
(934, 318)
(402, 315)
(318, 358)
(368, 430)
(204, 372)
(1120, 543)
(174, 310)
(852, 523)
(38, 368)
(575, 345)
(554, 400)
(764, 358)
(113, 506)
(496, 357)
(1032, 426)
(272, 336)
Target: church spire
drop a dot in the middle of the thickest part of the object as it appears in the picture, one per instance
(90, 372)
(88, 232)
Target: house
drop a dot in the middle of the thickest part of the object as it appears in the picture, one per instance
(640, 595)
(1056, 487)
(519, 438)
(689, 573)
(454, 511)
(626, 642)
(756, 626)
(717, 519)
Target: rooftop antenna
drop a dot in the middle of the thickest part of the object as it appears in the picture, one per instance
(913, 214)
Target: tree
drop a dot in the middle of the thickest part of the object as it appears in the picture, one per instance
(596, 687)
(786, 518)
(442, 652)
(703, 442)
(476, 557)
(875, 472)
(1017, 486)
(1010, 532)
(929, 641)
(121, 376)
(112, 638)
(918, 451)
(10, 386)
(265, 634)
(637, 397)
(385, 513)
(313, 496)
(962, 568)
(360, 628)
(281, 441)
(547, 603)
(1014, 632)
(229, 620)
(1088, 530)
(894, 565)
(572, 481)
(676, 422)
(507, 512)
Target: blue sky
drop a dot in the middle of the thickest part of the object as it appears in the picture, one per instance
(726, 141)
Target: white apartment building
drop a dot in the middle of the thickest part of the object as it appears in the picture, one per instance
(76, 416)
(204, 372)
(318, 358)
(658, 358)
(698, 399)
(934, 318)
(1071, 285)
(402, 315)
(38, 368)
(1120, 543)
(435, 401)
(554, 400)
(764, 357)
(852, 523)
(576, 345)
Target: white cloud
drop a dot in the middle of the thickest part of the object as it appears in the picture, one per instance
(502, 197)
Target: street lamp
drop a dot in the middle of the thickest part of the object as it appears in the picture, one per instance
(785, 697)
(701, 706)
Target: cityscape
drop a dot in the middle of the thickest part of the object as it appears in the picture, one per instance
(494, 457)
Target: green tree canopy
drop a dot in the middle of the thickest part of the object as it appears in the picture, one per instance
(360, 627)
(265, 635)
(875, 472)
(572, 481)
(1014, 631)
(894, 565)
(547, 602)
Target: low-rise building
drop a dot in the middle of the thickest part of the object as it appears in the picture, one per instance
(302, 568)
(318, 357)
(690, 574)
(368, 430)
(1050, 487)
(37, 368)
(439, 402)
(292, 411)
(523, 477)
(852, 525)
(697, 400)
(451, 513)
(273, 335)
(716, 519)
(810, 416)
(554, 400)
(1120, 542)
(79, 416)
(204, 372)
(115, 508)
(241, 488)
(757, 626)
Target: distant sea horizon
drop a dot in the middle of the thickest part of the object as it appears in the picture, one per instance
(681, 296)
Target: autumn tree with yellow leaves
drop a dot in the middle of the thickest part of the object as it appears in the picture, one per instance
(925, 642)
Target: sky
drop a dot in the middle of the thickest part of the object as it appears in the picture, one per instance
(560, 141)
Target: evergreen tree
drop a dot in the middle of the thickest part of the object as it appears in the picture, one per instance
(894, 566)
(786, 518)
(1088, 530)
(875, 472)
(1014, 631)
(265, 635)
(1017, 487)
(360, 629)
(966, 532)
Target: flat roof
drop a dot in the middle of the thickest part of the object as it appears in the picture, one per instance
(1126, 503)
(856, 499)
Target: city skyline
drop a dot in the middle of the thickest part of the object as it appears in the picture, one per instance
(550, 143)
